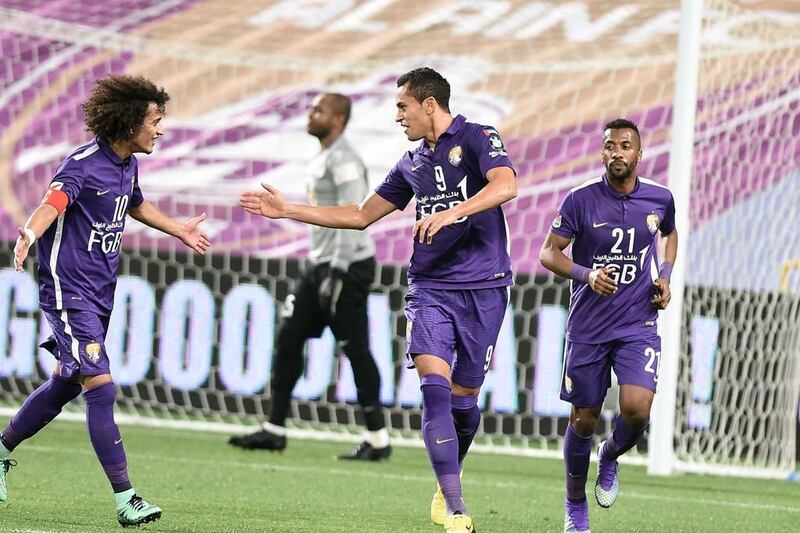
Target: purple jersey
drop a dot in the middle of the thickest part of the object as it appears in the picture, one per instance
(612, 229)
(473, 252)
(79, 253)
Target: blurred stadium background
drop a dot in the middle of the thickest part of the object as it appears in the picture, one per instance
(191, 338)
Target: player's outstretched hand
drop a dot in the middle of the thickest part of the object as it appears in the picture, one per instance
(601, 282)
(268, 203)
(662, 293)
(193, 237)
(426, 228)
(21, 249)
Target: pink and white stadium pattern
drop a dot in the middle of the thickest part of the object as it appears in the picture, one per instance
(232, 125)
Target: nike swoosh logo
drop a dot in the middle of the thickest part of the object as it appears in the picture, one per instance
(415, 167)
(101, 193)
(442, 441)
(117, 441)
(600, 225)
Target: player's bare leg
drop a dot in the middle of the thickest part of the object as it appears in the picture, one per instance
(631, 423)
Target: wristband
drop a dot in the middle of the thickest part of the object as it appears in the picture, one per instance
(31, 236)
(579, 273)
(666, 270)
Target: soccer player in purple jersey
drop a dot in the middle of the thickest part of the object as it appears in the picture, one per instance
(78, 230)
(618, 286)
(460, 270)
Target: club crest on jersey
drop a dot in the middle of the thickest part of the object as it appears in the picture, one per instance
(557, 221)
(455, 155)
(93, 351)
(652, 223)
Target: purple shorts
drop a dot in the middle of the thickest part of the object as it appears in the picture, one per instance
(460, 326)
(78, 342)
(587, 368)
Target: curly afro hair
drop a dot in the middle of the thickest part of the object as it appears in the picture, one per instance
(118, 104)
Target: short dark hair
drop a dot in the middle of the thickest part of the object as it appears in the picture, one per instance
(118, 104)
(425, 82)
(623, 124)
(340, 105)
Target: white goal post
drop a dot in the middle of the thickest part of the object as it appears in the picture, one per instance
(730, 377)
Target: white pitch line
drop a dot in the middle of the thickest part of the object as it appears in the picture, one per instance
(32, 531)
(429, 479)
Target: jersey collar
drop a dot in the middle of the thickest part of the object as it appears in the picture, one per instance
(336, 142)
(616, 194)
(455, 127)
(458, 122)
(111, 154)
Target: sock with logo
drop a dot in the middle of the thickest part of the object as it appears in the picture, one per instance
(43, 405)
(441, 440)
(105, 436)
(577, 451)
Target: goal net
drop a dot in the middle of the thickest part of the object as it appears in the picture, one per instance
(191, 338)
(739, 368)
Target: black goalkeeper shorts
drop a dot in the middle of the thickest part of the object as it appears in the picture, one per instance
(303, 318)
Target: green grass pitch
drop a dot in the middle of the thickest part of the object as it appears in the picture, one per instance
(204, 485)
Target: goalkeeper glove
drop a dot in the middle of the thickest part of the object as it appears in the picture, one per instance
(329, 291)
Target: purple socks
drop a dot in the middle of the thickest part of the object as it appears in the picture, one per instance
(105, 436)
(467, 418)
(622, 439)
(43, 405)
(577, 451)
(441, 440)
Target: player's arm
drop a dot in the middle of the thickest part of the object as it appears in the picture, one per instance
(41, 219)
(501, 187)
(188, 232)
(54, 203)
(271, 204)
(553, 258)
(663, 294)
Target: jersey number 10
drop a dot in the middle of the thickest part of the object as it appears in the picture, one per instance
(120, 208)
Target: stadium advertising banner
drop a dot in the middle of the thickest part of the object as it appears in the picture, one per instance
(194, 332)
(209, 331)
